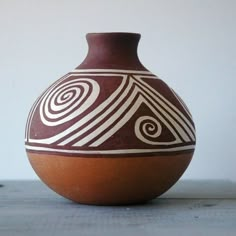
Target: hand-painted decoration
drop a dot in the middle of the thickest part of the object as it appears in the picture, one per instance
(76, 115)
(110, 132)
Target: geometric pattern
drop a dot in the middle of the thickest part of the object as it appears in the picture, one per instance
(109, 112)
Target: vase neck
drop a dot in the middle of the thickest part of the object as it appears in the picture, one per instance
(112, 51)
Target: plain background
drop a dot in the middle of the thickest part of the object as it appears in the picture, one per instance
(190, 44)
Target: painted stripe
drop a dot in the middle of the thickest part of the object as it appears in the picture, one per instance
(84, 120)
(39, 99)
(120, 151)
(118, 114)
(169, 104)
(160, 106)
(111, 70)
(181, 102)
(172, 110)
(106, 114)
(128, 115)
(107, 106)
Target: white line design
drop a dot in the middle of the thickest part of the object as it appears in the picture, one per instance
(111, 71)
(29, 120)
(150, 125)
(182, 102)
(64, 101)
(65, 98)
(120, 151)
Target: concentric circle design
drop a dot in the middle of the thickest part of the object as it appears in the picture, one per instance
(61, 104)
(147, 127)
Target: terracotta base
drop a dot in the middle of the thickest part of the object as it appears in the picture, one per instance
(109, 181)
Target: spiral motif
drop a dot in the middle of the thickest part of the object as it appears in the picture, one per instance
(146, 128)
(67, 100)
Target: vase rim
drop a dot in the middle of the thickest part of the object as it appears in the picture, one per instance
(113, 33)
(115, 50)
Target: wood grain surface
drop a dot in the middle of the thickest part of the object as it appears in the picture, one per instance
(189, 208)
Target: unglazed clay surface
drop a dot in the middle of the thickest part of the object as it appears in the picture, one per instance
(109, 180)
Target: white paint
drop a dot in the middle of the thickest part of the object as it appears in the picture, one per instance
(161, 115)
(52, 95)
(189, 44)
(156, 126)
(182, 103)
(111, 71)
(121, 113)
(121, 151)
(171, 109)
(38, 100)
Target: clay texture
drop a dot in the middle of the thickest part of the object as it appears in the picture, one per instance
(109, 115)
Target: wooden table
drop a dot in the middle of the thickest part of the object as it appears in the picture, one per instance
(190, 208)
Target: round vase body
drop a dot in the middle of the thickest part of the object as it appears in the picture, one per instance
(110, 132)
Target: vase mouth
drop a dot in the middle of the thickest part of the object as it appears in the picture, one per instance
(114, 50)
(113, 33)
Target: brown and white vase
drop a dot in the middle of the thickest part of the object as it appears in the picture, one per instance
(110, 131)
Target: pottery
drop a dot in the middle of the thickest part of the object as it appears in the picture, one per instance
(110, 131)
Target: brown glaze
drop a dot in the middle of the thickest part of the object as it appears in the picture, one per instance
(109, 181)
(118, 50)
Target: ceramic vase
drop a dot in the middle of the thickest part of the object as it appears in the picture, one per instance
(110, 131)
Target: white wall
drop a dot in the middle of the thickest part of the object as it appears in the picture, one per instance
(190, 44)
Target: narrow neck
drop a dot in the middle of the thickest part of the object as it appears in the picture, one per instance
(112, 51)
